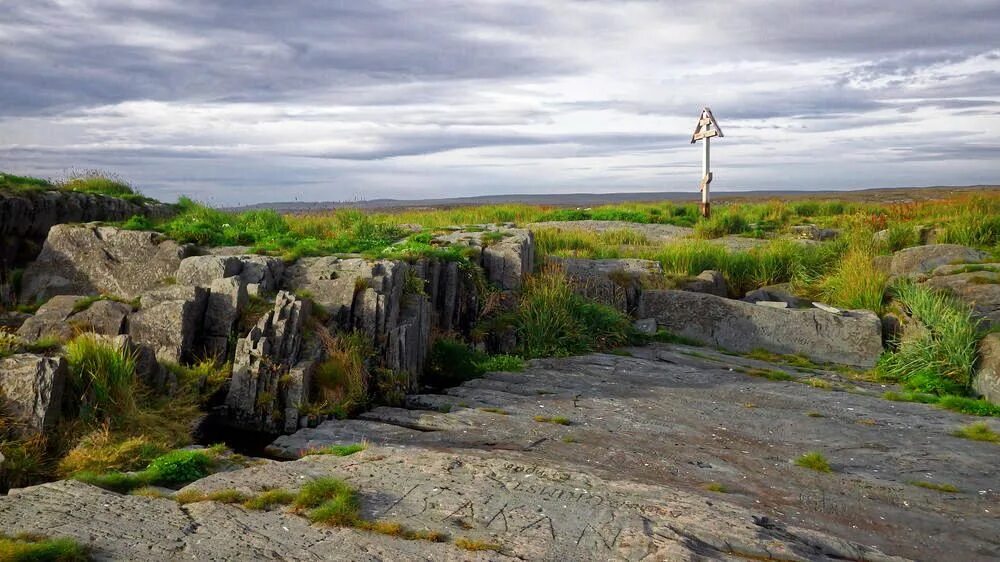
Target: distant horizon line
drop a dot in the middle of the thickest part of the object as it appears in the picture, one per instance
(581, 197)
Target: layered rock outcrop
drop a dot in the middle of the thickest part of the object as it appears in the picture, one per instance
(25, 218)
(31, 389)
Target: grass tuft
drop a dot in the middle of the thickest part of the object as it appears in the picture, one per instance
(29, 547)
(979, 431)
(814, 461)
(476, 545)
(935, 486)
(558, 420)
(270, 499)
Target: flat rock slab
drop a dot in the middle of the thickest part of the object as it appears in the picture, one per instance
(677, 418)
(529, 511)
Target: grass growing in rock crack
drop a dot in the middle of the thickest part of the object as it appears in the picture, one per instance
(270, 499)
(451, 362)
(715, 487)
(493, 410)
(31, 547)
(558, 420)
(939, 487)
(979, 431)
(814, 461)
(475, 545)
(338, 450)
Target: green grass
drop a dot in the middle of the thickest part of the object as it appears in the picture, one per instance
(715, 487)
(31, 547)
(939, 356)
(979, 431)
(962, 404)
(936, 486)
(102, 379)
(814, 461)
(451, 362)
(769, 374)
(552, 320)
(171, 469)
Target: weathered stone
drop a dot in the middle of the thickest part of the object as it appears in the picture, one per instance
(646, 326)
(106, 317)
(260, 274)
(50, 319)
(709, 281)
(506, 255)
(25, 218)
(226, 298)
(924, 259)
(408, 341)
(979, 289)
(12, 320)
(987, 380)
(202, 270)
(90, 259)
(32, 387)
(614, 282)
(509, 260)
(781, 292)
(169, 320)
(299, 381)
(813, 232)
(772, 304)
(852, 338)
(256, 399)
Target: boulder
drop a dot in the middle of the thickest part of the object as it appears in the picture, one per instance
(169, 320)
(51, 319)
(987, 380)
(813, 232)
(32, 387)
(105, 317)
(851, 338)
(709, 281)
(781, 292)
(90, 259)
(202, 270)
(979, 289)
(613, 282)
(921, 260)
(258, 396)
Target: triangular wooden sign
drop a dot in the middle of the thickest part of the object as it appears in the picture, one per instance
(707, 127)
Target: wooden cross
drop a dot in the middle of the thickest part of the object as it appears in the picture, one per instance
(706, 129)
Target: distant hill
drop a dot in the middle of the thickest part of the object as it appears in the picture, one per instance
(594, 199)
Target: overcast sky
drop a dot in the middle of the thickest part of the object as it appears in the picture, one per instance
(249, 101)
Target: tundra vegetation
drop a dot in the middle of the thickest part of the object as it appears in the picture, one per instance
(125, 437)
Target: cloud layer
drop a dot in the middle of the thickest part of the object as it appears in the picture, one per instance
(250, 101)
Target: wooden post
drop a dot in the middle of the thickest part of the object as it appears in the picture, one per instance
(706, 179)
(706, 129)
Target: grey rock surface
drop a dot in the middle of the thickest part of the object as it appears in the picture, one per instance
(979, 289)
(920, 260)
(169, 321)
(987, 379)
(506, 254)
(780, 292)
(851, 338)
(260, 274)
(677, 418)
(31, 388)
(90, 259)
